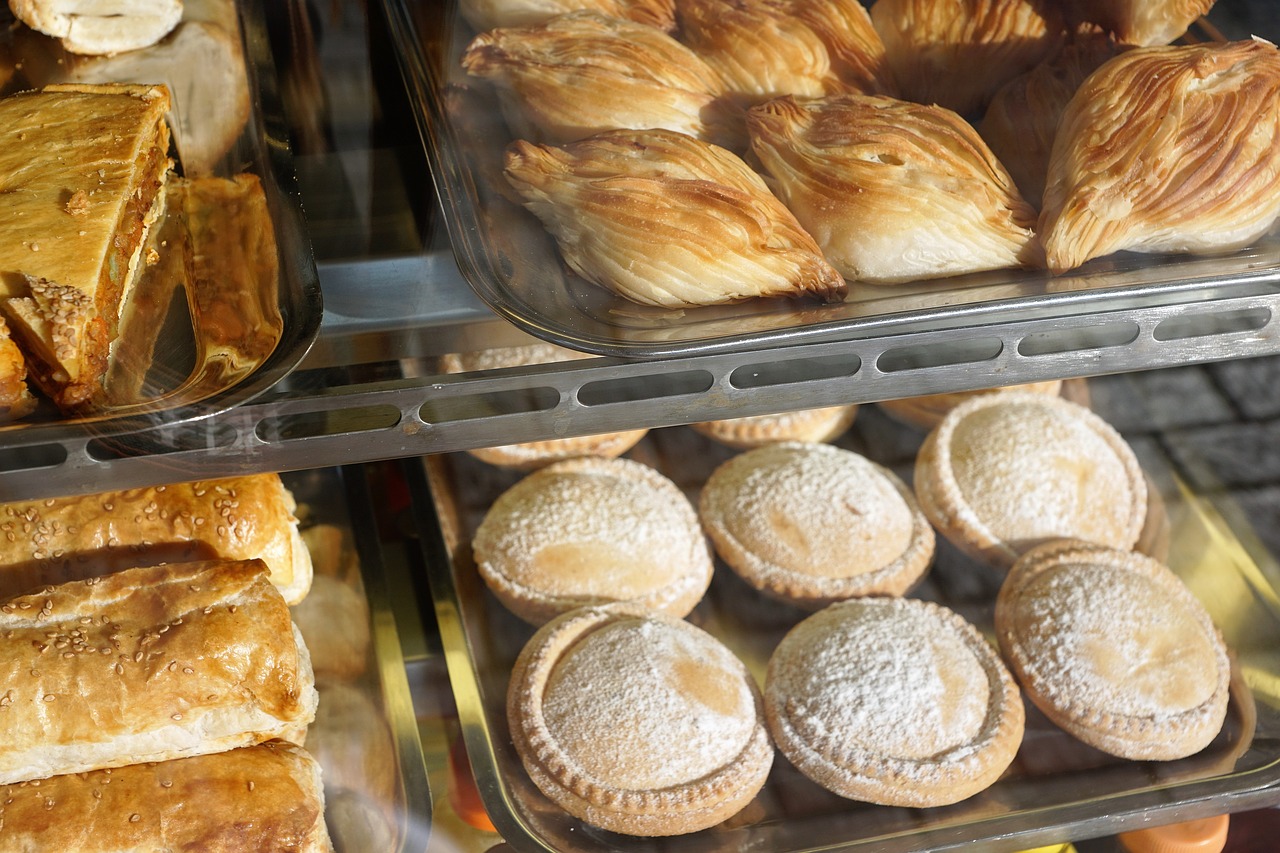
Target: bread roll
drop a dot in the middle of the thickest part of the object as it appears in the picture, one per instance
(148, 664)
(265, 797)
(239, 518)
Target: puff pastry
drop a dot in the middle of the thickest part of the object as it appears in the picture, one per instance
(583, 73)
(489, 14)
(1114, 649)
(1022, 119)
(1142, 22)
(893, 191)
(957, 53)
(638, 722)
(15, 398)
(1167, 149)
(590, 531)
(893, 701)
(664, 219)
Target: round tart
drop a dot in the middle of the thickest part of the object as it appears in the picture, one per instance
(1114, 649)
(528, 455)
(927, 412)
(823, 424)
(1003, 473)
(591, 531)
(893, 701)
(637, 722)
(811, 523)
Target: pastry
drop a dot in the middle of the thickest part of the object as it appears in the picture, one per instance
(148, 664)
(590, 531)
(1003, 473)
(264, 797)
(1142, 22)
(16, 401)
(893, 191)
(957, 53)
(339, 652)
(893, 701)
(1022, 119)
(1166, 149)
(489, 14)
(534, 454)
(1114, 649)
(95, 27)
(82, 169)
(825, 424)
(664, 219)
(927, 411)
(238, 518)
(637, 722)
(810, 524)
(583, 73)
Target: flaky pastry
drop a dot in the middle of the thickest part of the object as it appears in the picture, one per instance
(893, 191)
(1114, 648)
(583, 73)
(488, 14)
(1142, 22)
(15, 398)
(664, 219)
(1167, 149)
(957, 53)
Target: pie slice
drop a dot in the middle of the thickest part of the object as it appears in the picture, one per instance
(82, 170)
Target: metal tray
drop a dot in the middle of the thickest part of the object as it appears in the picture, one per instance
(189, 372)
(366, 737)
(1057, 789)
(508, 259)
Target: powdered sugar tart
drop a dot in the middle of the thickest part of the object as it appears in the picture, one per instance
(1003, 473)
(811, 523)
(590, 531)
(664, 219)
(1114, 648)
(637, 722)
(893, 701)
(1167, 149)
(893, 191)
(823, 424)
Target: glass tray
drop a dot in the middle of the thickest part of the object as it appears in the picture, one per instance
(513, 266)
(177, 358)
(1057, 788)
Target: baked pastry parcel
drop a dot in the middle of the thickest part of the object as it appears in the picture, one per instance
(823, 424)
(957, 53)
(810, 524)
(95, 27)
(893, 701)
(237, 518)
(1114, 649)
(591, 531)
(891, 190)
(82, 169)
(488, 14)
(1003, 473)
(1166, 149)
(664, 219)
(263, 797)
(148, 664)
(637, 722)
(1141, 22)
(528, 455)
(583, 73)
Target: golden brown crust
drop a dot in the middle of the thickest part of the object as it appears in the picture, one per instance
(1114, 649)
(148, 664)
(238, 518)
(1167, 149)
(923, 714)
(266, 797)
(665, 219)
(825, 424)
(893, 191)
(489, 14)
(15, 399)
(1003, 473)
(810, 524)
(1141, 22)
(637, 722)
(957, 53)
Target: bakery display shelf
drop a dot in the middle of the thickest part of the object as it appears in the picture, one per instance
(1057, 788)
(189, 350)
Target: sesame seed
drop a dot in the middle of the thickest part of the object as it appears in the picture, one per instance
(167, 783)
(250, 784)
(177, 716)
(49, 697)
(134, 818)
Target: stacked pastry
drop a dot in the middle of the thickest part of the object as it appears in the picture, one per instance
(860, 123)
(158, 689)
